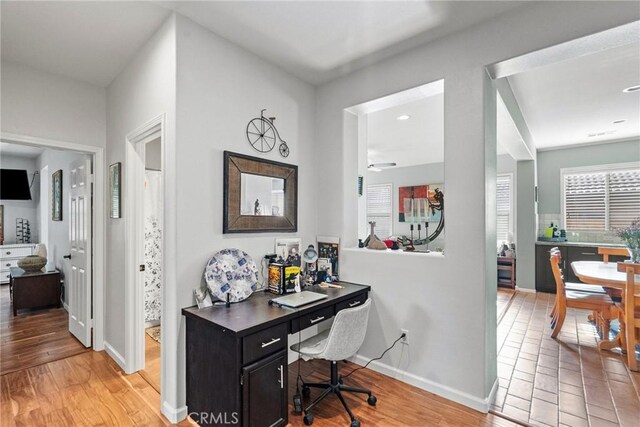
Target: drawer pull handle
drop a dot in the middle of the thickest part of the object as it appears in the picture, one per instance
(8, 252)
(588, 253)
(353, 304)
(317, 319)
(273, 341)
(281, 369)
(8, 264)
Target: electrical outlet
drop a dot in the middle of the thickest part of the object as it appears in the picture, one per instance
(405, 340)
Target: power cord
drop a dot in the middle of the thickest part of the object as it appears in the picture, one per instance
(377, 358)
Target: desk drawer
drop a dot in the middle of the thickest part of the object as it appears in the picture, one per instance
(263, 343)
(313, 318)
(352, 302)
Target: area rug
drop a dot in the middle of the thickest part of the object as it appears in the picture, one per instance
(154, 333)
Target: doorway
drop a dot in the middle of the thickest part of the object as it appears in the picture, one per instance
(71, 324)
(145, 251)
(152, 282)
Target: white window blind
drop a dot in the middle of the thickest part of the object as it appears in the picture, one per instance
(601, 200)
(504, 207)
(624, 198)
(380, 208)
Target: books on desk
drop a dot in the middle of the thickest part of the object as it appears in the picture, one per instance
(282, 278)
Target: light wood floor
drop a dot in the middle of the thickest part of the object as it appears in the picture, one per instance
(151, 371)
(33, 337)
(566, 381)
(89, 389)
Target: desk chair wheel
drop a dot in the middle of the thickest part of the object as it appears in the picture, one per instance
(372, 400)
(306, 391)
(355, 423)
(308, 419)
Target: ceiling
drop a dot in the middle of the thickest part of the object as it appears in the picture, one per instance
(320, 40)
(16, 150)
(314, 40)
(87, 41)
(416, 141)
(576, 101)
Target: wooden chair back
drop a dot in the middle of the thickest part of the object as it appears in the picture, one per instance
(556, 259)
(606, 252)
(631, 305)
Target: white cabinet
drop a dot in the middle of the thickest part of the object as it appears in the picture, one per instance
(10, 255)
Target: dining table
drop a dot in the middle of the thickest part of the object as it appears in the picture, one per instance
(604, 274)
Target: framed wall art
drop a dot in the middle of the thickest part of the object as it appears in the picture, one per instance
(115, 185)
(56, 196)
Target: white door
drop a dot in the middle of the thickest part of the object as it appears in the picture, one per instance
(79, 282)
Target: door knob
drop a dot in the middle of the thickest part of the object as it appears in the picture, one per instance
(67, 256)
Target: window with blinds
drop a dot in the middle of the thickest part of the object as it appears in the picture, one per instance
(601, 200)
(504, 214)
(380, 208)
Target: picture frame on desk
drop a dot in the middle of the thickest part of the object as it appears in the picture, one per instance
(329, 248)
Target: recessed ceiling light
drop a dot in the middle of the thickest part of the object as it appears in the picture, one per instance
(403, 117)
(617, 122)
(632, 89)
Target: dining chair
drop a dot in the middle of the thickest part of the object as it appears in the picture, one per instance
(631, 308)
(606, 252)
(599, 304)
(580, 287)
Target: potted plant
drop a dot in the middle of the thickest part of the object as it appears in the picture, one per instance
(631, 237)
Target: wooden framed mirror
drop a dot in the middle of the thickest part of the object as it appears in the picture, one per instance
(260, 195)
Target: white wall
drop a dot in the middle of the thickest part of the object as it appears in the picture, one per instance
(39, 104)
(451, 310)
(21, 208)
(432, 173)
(220, 88)
(144, 90)
(58, 243)
(552, 161)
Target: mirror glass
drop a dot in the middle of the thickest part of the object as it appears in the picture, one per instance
(261, 195)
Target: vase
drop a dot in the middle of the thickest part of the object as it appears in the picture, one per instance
(32, 263)
(634, 254)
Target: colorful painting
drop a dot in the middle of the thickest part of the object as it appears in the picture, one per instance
(413, 203)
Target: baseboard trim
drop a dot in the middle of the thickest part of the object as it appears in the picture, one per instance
(525, 290)
(174, 415)
(65, 306)
(113, 353)
(473, 402)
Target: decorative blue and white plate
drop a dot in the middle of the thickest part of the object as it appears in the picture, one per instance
(231, 272)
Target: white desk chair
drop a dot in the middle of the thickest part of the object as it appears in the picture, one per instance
(340, 342)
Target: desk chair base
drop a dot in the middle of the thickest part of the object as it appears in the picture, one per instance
(336, 386)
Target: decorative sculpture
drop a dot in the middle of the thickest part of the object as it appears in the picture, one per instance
(374, 242)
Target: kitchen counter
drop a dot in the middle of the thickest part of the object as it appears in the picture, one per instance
(581, 244)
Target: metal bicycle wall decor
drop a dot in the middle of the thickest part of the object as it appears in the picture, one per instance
(263, 135)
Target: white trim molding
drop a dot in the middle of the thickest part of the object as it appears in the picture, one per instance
(174, 415)
(473, 402)
(113, 353)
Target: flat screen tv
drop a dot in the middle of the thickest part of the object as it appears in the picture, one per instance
(14, 184)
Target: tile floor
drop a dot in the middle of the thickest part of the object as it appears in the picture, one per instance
(563, 382)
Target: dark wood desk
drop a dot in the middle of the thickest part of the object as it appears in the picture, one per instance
(34, 289)
(237, 356)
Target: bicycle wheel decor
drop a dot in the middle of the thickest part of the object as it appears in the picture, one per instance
(263, 135)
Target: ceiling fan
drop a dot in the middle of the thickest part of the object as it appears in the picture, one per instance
(377, 167)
